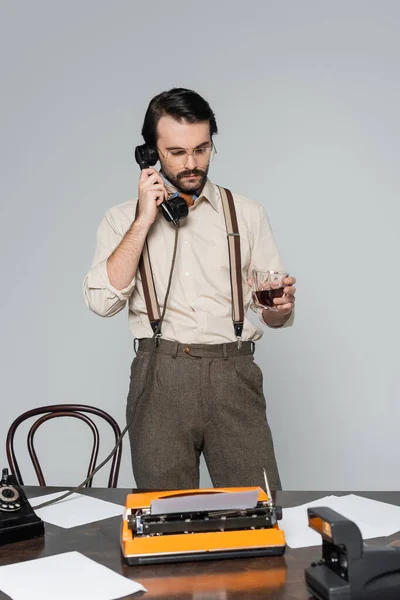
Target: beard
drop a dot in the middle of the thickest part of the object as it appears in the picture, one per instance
(183, 185)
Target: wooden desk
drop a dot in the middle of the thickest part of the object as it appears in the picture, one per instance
(267, 578)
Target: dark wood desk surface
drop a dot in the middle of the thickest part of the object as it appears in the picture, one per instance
(267, 578)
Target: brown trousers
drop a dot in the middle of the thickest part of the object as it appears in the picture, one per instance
(199, 398)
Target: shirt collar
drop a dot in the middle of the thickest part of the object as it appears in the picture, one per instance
(209, 193)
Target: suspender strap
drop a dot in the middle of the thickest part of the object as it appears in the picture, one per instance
(149, 289)
(235, 264)
(235, 261)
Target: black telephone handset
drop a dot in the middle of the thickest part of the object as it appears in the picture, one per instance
(17, 518)
(175, 208)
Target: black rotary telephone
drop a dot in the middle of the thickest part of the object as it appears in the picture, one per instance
(173, 209)
(17, 519)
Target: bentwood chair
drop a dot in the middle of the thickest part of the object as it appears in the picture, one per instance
(76, 411)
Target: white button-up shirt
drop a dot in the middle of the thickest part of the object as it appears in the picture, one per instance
(199, 307)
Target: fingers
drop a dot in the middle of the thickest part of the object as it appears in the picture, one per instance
(152, 193)
(149, 177)
(156, 191)
(284, 299)
(289, 281)
(147, 180)
(151, 181)
(161, 197)
(289, 290)
(145, 173)
(285, 308)
(156, 187)
(285, 303)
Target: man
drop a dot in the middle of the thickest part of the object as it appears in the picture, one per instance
(203, 392)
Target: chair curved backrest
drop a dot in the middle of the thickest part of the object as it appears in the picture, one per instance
(63, 410)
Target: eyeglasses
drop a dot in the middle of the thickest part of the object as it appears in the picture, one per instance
(178, 158)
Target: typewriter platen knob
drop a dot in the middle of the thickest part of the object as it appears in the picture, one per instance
(278, 512)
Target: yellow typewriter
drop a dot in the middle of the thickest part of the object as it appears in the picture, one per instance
(185, 525)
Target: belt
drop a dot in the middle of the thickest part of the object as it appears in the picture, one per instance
(196, 350)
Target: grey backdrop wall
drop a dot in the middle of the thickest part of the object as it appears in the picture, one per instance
(306, 96)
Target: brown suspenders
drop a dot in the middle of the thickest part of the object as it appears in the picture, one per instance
(149, 290)
(235, 264)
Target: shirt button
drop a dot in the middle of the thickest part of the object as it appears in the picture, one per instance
(187, 273)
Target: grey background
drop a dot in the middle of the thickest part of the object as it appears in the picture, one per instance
(306, 96)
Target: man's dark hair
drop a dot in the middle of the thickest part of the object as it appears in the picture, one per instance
(182, 105)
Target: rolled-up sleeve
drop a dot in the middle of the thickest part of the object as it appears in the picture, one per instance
(100, 296)
(265, 256)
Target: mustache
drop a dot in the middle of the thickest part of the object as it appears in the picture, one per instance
(191, 172)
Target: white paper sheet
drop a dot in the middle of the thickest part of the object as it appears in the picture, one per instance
(382, 517)
(75, 510)
(373, 518)
(67, 576)
(294, 523)
(210, 501)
